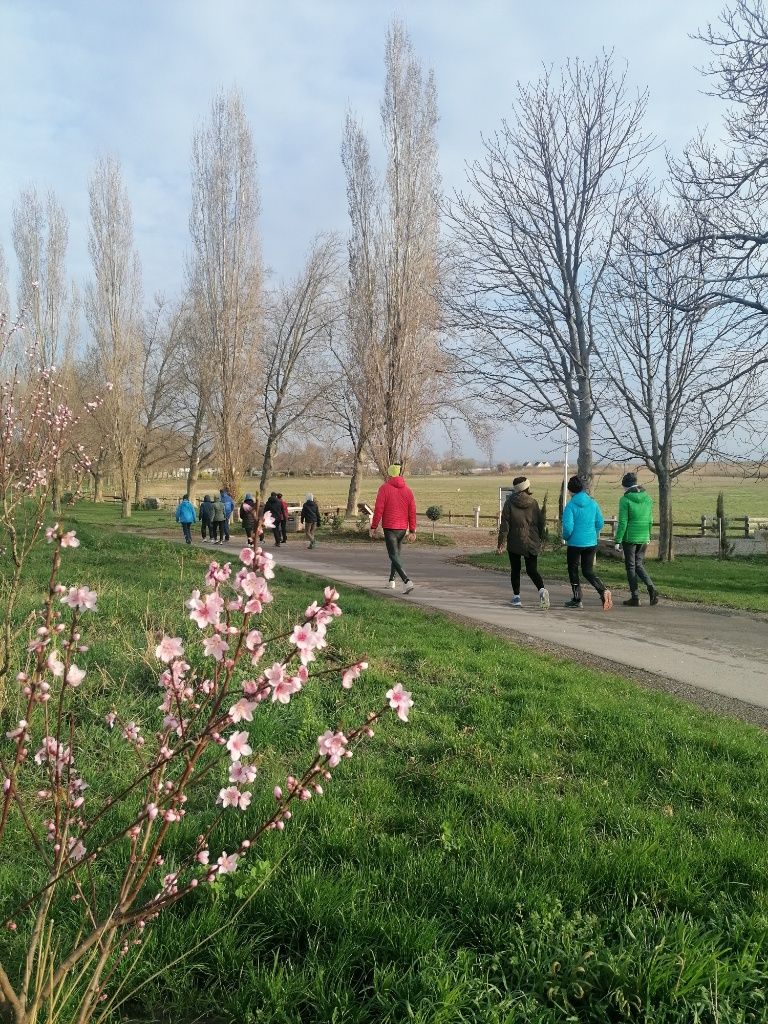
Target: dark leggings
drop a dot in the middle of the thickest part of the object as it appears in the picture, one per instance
(217, 529)
(206, 529)
(587, 558)
(634, 556)
(531, 568)
(393, 539)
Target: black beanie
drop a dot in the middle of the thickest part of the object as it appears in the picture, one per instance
(629, 480)
(575, 484)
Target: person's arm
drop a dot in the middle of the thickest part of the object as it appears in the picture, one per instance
(599, 520)
(621, 525)
(541, 523)
(567, 521)
(501, 540)
(411, 513)
(177, 512)
(378, 509)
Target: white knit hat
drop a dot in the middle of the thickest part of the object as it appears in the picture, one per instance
(524, 485)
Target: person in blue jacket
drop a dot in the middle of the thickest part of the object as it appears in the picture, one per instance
(229, 508)
(582, 523)
(185, 514)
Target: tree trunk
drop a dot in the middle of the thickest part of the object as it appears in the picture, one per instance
(138, 481)
(194, 450)
(666, 543)
(125, 506)
(354, 484)
(56, 490)
(266, 466)
(98, 485)
(584, 464)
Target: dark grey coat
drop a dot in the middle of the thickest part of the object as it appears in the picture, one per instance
(522, 525)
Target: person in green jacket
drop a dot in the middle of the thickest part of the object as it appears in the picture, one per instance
(219, 521)
(633, 532)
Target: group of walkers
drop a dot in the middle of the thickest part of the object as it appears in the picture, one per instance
(215, 516)
(522, 532)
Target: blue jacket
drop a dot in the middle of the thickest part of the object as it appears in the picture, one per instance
(185, 512)
(582, 521)
(229, 505)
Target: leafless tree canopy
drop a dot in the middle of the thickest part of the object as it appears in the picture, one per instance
(225, 274)
(533, 237)
(112, 304)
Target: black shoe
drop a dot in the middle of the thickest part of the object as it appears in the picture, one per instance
(653, 594)
(633, 602)
(575, 602)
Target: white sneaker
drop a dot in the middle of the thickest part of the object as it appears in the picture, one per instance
(408, 587)
(516, 602)
(543, 599)
(391, 584)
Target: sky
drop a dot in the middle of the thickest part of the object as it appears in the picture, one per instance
(80, 78)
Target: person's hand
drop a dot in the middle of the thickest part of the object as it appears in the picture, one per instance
(411, 536)
(372, 534)
(618, 547)
(500, 549)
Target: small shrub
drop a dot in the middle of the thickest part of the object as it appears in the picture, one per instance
(151, 504)
(335, 522)
(433, 513)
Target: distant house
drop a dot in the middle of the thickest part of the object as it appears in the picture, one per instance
(542, 465)
(527, 465)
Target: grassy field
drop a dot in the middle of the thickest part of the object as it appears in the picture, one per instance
(542, 844)
(695, 494)
(739, 583)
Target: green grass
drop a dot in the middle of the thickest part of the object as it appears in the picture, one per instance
(542, 844)
(733, 583)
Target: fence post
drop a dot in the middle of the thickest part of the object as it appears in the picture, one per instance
(746, 526)
(703, 526)
(477, 516)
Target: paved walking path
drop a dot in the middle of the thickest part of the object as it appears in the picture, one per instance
(716, 650)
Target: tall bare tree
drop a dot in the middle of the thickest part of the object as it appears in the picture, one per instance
(112, 304)
(299, 319)
(195, 375)
(533, 238)
(225, 273)
(680, 372)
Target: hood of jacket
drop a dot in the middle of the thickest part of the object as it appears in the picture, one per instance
(520, 499)
(396, 481)
(580, 500)
(636, 495)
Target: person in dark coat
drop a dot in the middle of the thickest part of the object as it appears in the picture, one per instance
(229, 508)
(274, 506)
(248, 516)
(310, 518)
(521, 531)
(206, 518)
(284, 520)
(219, 520)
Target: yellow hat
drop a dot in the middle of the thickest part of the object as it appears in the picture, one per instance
(394, 470)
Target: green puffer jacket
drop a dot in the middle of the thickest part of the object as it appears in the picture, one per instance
(635, 517)
(522, 525)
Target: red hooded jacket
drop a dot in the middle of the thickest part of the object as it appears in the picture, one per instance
(395, 506)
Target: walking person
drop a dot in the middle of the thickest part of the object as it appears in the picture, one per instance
(206, 518)
(185, 515)
(521, 531)
(582, 523)
(248, 516)
(395, 509)
(633, 533)
(229, 508)
(310, 518)
(284, 520)
(275, 507)
(218, 521)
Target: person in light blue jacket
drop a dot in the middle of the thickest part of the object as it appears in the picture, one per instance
(185, 514)
(582, 523)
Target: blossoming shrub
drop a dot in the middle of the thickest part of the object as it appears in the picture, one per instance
(119, 861)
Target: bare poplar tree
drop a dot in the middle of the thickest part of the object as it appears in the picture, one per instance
(533, 238)
(680, 377)
(159, 437)
(225, 272)
(112, 304)
(195, 375)
(299, 319)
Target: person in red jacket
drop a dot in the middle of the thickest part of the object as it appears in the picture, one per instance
(395, 509)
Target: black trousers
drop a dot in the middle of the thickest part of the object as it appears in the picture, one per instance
(284, 530)
(634, 563)
(393, 539)
(187, 531)
(278, 535)
(217, 529)
(531, 568)
(206, 528)
(585, 556)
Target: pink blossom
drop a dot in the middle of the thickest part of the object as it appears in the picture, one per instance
(81, 598)
(151, 811)
(269, 520)
(75, 849)
(202, 856)
(110, 719)
(247, 556)
(131, 733)
(285, 689)
(277, 793)
(238, 746)
(400, 700)
(231, 796)
(205, 612)
(332, 745)
(239, 772)
(227, 863)
(69, 540)
(54, 664)
(253, 640)
(331, 594)
(215, 646)
(306, 640)
(242, 711)
(52, 532)
(6, 785)
(170, 647)
(353, 673)
(217, 573)
(75, 675)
